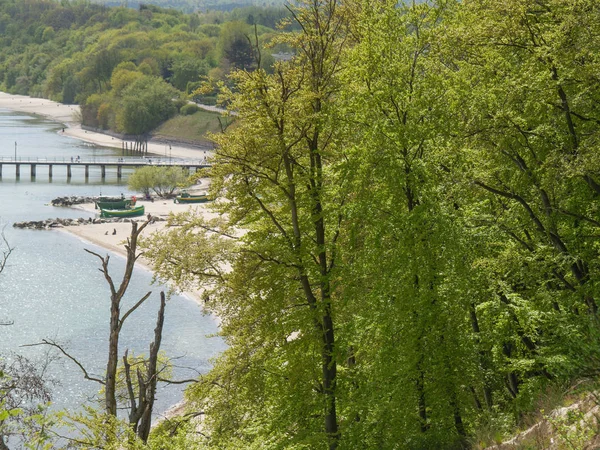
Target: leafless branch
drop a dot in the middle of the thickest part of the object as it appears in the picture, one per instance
(189, 380)
(133, 308)
(72, 358)
(7, 250)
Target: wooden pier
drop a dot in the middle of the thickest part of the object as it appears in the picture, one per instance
(117, 164)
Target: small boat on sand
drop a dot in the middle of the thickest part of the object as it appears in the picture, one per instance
(186, 197)
(115, 203)
(131, 212)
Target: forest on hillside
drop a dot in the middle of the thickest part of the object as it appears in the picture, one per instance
(118, 62)
(407, 250)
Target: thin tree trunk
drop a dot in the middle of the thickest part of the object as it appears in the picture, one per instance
(152, 378)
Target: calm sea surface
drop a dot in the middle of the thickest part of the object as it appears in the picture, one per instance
(52, 289)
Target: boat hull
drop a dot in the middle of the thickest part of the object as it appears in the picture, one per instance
(192, 199)
(133, 212)
(121, 204)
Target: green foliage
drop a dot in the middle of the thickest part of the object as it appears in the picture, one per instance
(145, 104)
(186, 71)
(182, 5)
(142, 180)
(235, 45)
(162, 180)
(448, 166)
(94, 429)
(189, 109)
(69, 51)
(407, 247)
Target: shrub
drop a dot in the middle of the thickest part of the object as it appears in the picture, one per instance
(189, 109)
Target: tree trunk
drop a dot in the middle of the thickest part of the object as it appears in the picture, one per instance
(113, 356)
(152, 377)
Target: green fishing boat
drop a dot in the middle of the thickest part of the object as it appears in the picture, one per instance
(131, 212)
(185, 197)
(120, 204)
(115, 203)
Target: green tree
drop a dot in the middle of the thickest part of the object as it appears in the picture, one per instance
(123, 76)
(142, 180)
(409, 277)
(164, 181)
(146, 103)
(530, 137)
(277, 170)
(235, 44)
(186, 70)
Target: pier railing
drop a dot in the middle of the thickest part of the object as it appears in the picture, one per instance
(100, 162)
(137, 161)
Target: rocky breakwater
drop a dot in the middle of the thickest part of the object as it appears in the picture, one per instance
(49, 224)
(75, 200)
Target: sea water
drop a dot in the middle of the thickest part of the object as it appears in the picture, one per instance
(52, 289)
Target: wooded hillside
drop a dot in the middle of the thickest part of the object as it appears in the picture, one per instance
(407, 250)
(420, 193)
(114, 61)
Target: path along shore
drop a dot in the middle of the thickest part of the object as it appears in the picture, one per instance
(102, 234)
(68, 115)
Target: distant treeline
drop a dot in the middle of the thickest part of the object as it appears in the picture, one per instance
(190, 6)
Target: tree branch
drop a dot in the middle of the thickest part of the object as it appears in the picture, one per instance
(133, 308)
(72, 358)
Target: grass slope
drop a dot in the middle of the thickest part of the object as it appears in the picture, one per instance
(194, 127)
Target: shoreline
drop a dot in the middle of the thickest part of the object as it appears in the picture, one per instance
(68, 116)
(102, 235)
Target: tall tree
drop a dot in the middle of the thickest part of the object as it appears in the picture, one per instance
(277, 169)
(525, 75)
(409, 271)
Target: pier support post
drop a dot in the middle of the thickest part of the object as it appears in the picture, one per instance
(32, 170)
(50, 171)
(87, 171)
(103, 171)
(119, 171)
(18, 170)
(0, 170)
(68, 170)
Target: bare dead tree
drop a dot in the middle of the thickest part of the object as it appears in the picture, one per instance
(141, 394)
(140, 412)
(6, 250)
(116, 318)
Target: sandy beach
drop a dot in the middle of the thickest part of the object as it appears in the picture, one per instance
(102, 234)
(68, 115)
(112, 236)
